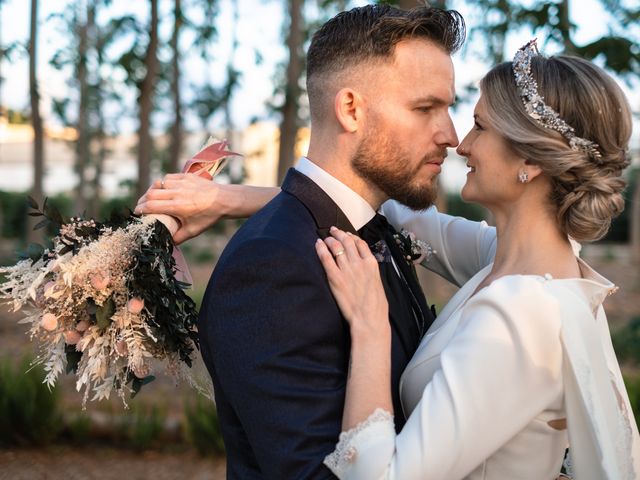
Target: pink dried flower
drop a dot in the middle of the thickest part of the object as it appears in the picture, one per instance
(71, 337)
(135, 305)
(49, 322)
(100, 280)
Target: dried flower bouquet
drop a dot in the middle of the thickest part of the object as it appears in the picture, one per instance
(104, 300)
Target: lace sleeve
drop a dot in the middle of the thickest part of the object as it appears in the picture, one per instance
(353, 443)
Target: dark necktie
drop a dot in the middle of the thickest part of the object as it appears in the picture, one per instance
(407, 305)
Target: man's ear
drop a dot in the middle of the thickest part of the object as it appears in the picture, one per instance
(348, 109)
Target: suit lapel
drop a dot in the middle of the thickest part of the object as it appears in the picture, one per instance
(326, 214)
(323, 209)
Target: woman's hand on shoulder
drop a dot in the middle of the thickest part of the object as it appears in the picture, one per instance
(354, 279)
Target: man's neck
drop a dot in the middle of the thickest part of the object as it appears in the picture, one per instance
(357, 209)
(341, 170)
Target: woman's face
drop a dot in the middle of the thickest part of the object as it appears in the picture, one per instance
(493, 177)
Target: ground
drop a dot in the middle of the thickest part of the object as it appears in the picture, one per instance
(65, 463)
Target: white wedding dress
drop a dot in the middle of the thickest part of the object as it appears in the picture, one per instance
(493, 379)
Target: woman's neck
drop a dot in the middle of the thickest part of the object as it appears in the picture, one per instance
(530, 243)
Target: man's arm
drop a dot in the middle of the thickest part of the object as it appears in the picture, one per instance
(280, 349)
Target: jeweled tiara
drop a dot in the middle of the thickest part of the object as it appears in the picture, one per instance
(540, 111)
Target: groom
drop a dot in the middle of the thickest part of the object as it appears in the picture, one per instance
(380, 81)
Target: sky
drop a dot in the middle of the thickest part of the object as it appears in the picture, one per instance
(260, 29)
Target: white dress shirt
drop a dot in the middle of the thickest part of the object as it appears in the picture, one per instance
(356, 208)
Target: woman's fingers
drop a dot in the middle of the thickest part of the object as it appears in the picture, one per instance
(347, 242)
(327, 259)
(363, 248)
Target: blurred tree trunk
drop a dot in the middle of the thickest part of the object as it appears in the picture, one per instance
(145, 144)
(409, 4)
(82, 127)
(36, 121)
(231, 73)
(635, 218)
(99, 135)
(175, 149)
(236, 164)
(565, 27)
(289, 124)
(2, 110)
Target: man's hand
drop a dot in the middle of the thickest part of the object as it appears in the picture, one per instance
(195, 202)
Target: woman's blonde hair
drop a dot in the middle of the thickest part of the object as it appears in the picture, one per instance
(586, 192)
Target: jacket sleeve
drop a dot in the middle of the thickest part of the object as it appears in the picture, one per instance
(280, 349)
(461, 247)
(500, 369)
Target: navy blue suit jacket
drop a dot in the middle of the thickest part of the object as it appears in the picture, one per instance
(275, 342)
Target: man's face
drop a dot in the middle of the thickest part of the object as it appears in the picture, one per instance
(408, 127)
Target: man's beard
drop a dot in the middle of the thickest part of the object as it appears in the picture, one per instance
(381, 163)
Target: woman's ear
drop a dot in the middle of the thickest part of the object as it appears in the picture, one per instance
(348, 109)
(533, 170)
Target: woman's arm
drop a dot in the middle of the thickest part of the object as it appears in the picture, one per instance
(198, 203)
(354, 279)
(500, 369)
(462, 247)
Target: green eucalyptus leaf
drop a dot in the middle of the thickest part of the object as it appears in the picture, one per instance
(42, 224)
(35, 251)
(32, 202)
(104, 313)
(136, 385)
(73, 358)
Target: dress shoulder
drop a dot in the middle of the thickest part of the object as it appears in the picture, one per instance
(521, 300)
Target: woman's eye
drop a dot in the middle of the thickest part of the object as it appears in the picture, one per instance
(477, 126)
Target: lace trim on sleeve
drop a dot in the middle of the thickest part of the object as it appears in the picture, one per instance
(346, 452)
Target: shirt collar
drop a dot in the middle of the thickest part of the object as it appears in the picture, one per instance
(356, 208)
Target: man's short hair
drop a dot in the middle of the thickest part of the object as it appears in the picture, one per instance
(370, 33)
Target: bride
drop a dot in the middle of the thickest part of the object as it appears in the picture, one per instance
(520, 361)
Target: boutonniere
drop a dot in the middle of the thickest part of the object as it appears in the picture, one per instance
(415, 251)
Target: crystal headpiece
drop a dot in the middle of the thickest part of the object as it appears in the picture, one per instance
(540, 111)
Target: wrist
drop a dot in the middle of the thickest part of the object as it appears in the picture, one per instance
(371, 337)
(229, 201)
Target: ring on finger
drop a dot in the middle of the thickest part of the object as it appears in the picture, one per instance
(338, 253)
(162, 183)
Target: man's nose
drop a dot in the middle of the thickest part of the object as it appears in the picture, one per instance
(447, 136)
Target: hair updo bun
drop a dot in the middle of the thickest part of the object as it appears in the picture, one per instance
(586, 191)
